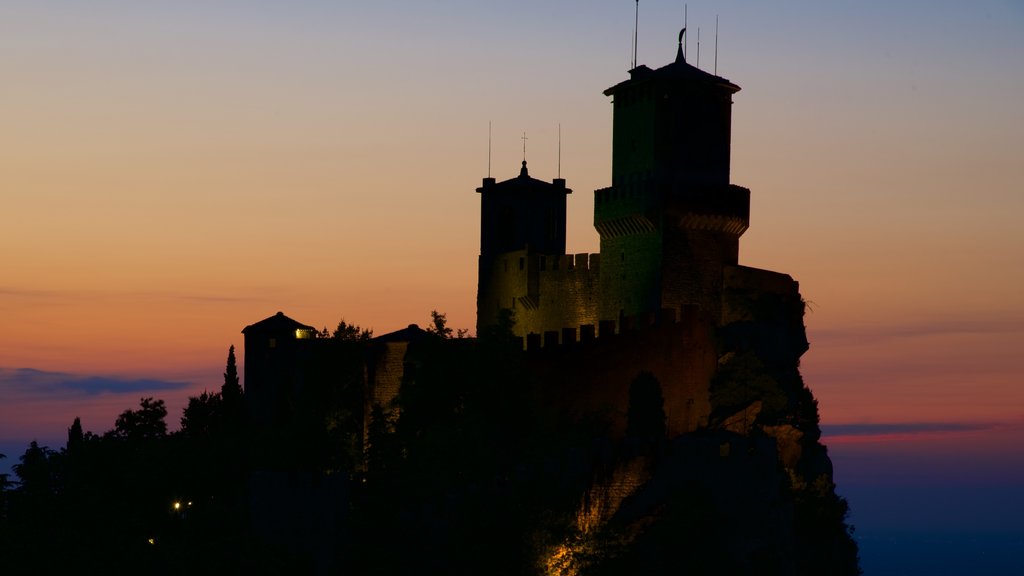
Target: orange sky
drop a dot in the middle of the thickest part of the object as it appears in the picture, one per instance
(174, 172)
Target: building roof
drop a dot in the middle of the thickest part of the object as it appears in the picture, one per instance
(678, 70)
(524, 183)
(277, 323)
(407, 334)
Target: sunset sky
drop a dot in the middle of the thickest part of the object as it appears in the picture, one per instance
(172, 171)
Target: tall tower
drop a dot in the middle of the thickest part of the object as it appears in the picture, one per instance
(671, 221)
(522, 220)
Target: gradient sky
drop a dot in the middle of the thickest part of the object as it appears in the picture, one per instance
(171, 171)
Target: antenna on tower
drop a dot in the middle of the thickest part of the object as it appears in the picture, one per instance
(524, 147)
(560, 147)
(683, 33)
(636, 29)
(488, 148)
(716, 44)
(698, 46)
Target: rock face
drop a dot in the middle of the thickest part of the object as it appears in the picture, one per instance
(747, 489)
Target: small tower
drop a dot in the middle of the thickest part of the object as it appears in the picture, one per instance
(671, 221)
(521, 215)
(272, 359)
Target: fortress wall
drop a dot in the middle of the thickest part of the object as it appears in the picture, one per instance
(593, 378)
(763, 311)
(388, 365)
(693, 268)
(385, 367)
(567, 293)
(545, 292)
(751, 282)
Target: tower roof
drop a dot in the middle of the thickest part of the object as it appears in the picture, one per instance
(407, 334)
(276, 323)
(678, 71)
(524, 183)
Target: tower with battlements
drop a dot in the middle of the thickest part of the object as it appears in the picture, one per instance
(523, 266)
(669, 224)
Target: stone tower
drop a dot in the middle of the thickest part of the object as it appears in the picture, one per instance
(273, 353)
(522, 227)
(671, 221)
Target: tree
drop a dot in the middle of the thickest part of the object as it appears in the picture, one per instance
(75, 436)
(36, 470)
(203, 415)
(383, 450)
(351, 332)
(146, 423)
(439, 325)
(231, 391)
(4, 485)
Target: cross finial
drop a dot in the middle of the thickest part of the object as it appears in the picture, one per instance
(524, 146)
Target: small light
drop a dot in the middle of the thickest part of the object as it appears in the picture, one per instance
(177, 505)
(151, 541)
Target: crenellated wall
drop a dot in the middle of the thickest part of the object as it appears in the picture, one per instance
(544, 292)
(592, 375)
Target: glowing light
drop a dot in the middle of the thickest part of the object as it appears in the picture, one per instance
(176, 505)
(152, 541)
(561, 561)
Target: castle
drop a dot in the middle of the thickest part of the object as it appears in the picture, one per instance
(665, 303)
(669, 224)
(666, 294)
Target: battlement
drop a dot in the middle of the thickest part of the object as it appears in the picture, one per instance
(607, 330)
(578, 263)
(543, 291)
(588, 369)
(525, 260)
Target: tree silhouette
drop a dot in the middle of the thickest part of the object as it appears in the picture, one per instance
(203, 416)
(75, 436)
(383, 451)
(351, 332)
(5, 485)
(36, 470)
(439, 326)
(146, 423)
(231, 391)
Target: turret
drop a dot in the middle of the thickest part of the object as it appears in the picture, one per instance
(671, 220)
(521, 215)
(271, 360)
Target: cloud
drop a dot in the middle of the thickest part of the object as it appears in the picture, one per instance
(29, 381)
(902, 428)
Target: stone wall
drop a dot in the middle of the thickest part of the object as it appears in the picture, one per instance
(592, 378)
(544, 292)
(385, 368)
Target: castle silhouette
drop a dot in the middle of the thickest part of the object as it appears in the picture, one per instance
(669, 224)
(666, 294)
(665, 307)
